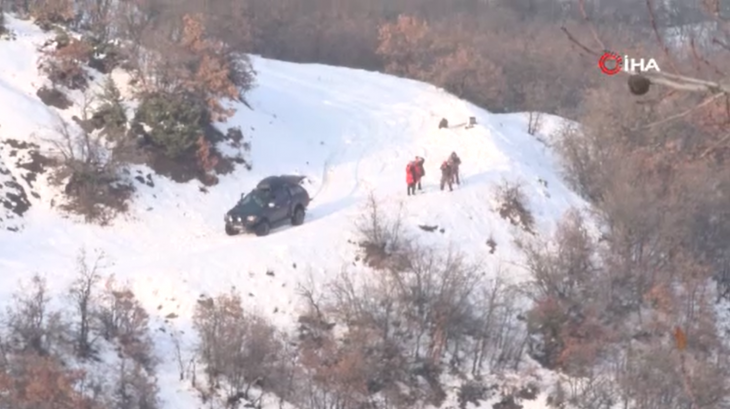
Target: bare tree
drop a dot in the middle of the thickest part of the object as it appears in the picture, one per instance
(382, 236)
(122, 318)
(32, 325)
(90, 171)
(240, 350)
(97, 16)
(499, 340)
(83, 293)
(134, 388)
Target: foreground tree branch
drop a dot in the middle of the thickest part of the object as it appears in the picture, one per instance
(674, 81)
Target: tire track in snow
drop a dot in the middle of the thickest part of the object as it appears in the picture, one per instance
(326, 168)
(361, 131)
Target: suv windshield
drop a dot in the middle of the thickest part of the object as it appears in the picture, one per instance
(256, 196)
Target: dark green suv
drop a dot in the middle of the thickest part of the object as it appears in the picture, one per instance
(275, 200)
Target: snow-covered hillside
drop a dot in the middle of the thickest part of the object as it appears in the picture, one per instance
(350, 132)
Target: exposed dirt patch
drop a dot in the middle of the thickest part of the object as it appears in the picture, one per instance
(507, 403)
(528, 392)
(14, 197)
(180, 170)
(33, 162)
(472, 392)
(144, 179)
(186, 168)
(492, 245)
(14, 201)
(54, 98)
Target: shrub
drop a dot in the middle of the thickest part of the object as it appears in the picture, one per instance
(566, 288)
(111, 115)
(105, 55)
(33, 327)
(64, 65)
(122, 318)
(93, 186)
(36, 369)
(399, 327)
(174, 122)
(54, 97)
(198, 66)
(48, 13)
(42, 382)
(382, 237)
(134, 387)
(239, 349)
(513, 206)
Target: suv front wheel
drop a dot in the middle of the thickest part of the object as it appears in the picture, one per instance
(263, 228)
(230, 230)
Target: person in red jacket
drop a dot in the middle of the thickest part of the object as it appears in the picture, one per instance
(420, 170)
(411, 177)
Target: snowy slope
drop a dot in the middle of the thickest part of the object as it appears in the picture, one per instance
(351, 132)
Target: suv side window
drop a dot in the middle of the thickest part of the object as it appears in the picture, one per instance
(295, 190)
(282, 195)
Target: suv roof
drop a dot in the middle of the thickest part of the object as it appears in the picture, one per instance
(273, 182)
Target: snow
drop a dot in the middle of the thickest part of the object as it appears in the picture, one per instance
(351, 132)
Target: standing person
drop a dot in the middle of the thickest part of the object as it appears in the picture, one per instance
(411, 177)
(455, 162)
(447, 176)
(420, 170)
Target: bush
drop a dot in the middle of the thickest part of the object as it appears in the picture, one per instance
(105, 55)
(93, 186)
(382, 237)
(174, 122)
(111, 115)
(397, 330)
(32, 326)
(239, 349)
(48, 13)
(513, 206)
(54, 97)
(29, 380)
(121, 318)
(134, 387)
(64, 65)
(563, 321)
(36, 369)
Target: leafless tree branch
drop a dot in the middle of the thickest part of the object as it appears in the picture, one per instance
(674, 81)
(658, 36)
(684, 113)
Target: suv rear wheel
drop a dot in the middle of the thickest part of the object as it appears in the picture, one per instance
(298, 218)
